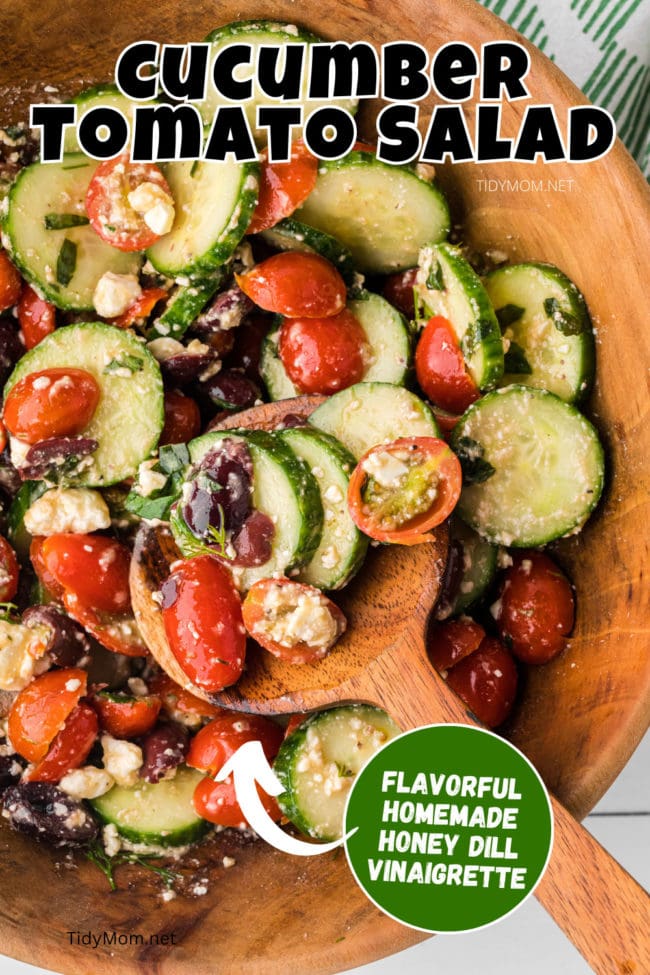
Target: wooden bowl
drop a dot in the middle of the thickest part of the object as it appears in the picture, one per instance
(580, 717)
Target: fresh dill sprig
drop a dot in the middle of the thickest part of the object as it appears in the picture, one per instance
(217, 537)
(97, 855)
(7, 611)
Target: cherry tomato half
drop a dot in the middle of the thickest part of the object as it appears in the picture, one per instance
(45, 577)
(124, 716)
(486, 681)
(51, 403)
(107, 204)
(296, 285)
(70, 747)
(451, 641)
(440, 368)
(217, 802)
(290, 594)
(283, 187)
(10, 282)
(398, 289)
(117, 632)
(179, 704)
(400, 491)
(535, 608)
(182, 418)
(37, 317)
(8, 572)
(92, 567)
(141, 308)
(40, 710)
(323, 355)
(202, 616)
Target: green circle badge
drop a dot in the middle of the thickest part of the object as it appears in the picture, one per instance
(451, 828)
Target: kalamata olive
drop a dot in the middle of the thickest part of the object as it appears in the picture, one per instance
(44, 457)
(11, 765)
(11, 348)
(163, 749)
(253, 541)
(68, 643)
(292, 420)
(451, 581)
(112, 670)
(245, 355)
(187, 367)
(222, 483)
(231, 390)
(224, 313)
(48, 813)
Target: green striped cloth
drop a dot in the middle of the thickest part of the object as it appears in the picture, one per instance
(604, 47)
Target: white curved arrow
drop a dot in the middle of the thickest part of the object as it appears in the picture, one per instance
(249, 765)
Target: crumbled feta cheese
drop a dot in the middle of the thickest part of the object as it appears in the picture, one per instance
(155, 205)
(387, 469)
(122, 759)
(87, 782)
(293, 615)
(115, 293)
(229, 862)
(149, 480)
(162, 349)
(78, 510)
(112, 840)
(22, 654)
(137, 687)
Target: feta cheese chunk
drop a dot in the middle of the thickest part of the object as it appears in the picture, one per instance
(87, 782)
(122, 759)
(22, 654)
(148, 479)
(387, 469)
(296, 614)
(115, 293)
(155, 205)
(78, 510)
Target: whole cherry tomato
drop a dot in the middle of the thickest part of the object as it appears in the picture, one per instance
(37, 317)
(486, 681)
(10, 283)
(398, 289)
(535, 608)
(124, 716)
(141, 308)
(323, 355)
(8, 572)
(449, 642)
(107, 202)
(70, 747)
(440, 368)
(203, 621)
(296, 285)
(182, 418)
(93, 567)
(40, 710)
(283, 187)
(51, 403)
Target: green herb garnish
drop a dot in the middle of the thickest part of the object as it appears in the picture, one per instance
(66, 262)
(131, 362)
(508, 315)
(8, 611)
(475, 468)
(435, 280)
(216, 536)
(564, 321)
(515, 361)
(98, 856)
(61, 221)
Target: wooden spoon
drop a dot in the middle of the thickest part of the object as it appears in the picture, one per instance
(382, 659)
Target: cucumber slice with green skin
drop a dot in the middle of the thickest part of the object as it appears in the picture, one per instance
(383, 214)
(185, 305)
(214, 205)
(99, 96)
(319, 761)
(259, 33)
(159, 814)
(546, 320)
(19, 537)
(59, 188)
(129, 418)
(291, 235)
(479, 567)
(548, 467)
(447, 285)
(371, 413)
(284, 489)
(388, 337)
(342, 546)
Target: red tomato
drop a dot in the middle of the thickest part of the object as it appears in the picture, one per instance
(117, 632)
(179, 704)
(283, 187)
(45, 577)
(323, 355)
(211, 748)
(70, 748)
(51, 403)
(398, 289)
(445, 420)
(380, 515)
(294, 722)
(440, 368)
(92, 567)
(451, 641)
(108, 208)
(8, 572)
(141, 308)
(37, 317)
(486, 681)
(10, 283)
(124, 716)
(182, 419)
(3, 437)
(535, 608)
(203, 622)
(255, 613)
(296, 285)
(40, 710)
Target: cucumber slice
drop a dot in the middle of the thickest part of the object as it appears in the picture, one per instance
(129, 418)
(388, 337)
(383, 214)
(371, 413)
(291, 235)
(260, 33)
(342, 546)
(479, 566)
(59, 188)
(214, 205)
(548, 466)
(318, 762)
(185, 305)
(447, 285)
(545, 319)
(159, 814)
(284, 489)
(98, 97)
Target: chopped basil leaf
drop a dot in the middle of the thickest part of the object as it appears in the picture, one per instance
(435, 280)
(173, 457)
(476, 333)
(153, 509)
(131, 362)
(172, 461)
(508, 315)
(515, 361)
(475, 468)
(61, 221)
(563, 320)
(358, 293)
(66, 262)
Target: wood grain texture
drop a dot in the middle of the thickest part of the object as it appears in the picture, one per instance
(581, 716)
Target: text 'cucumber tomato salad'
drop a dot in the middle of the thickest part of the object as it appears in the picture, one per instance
(143, 305)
